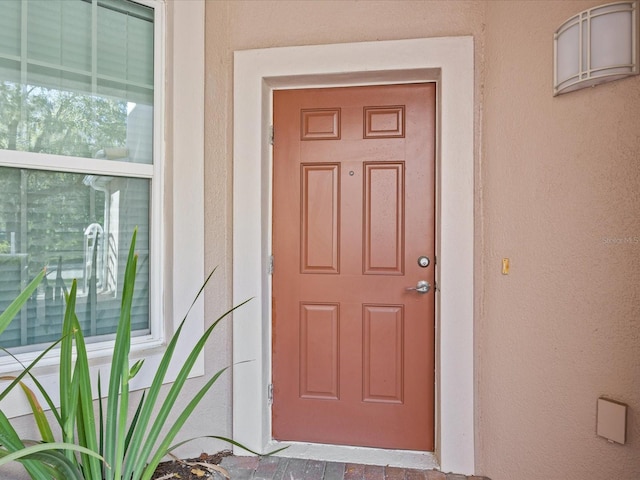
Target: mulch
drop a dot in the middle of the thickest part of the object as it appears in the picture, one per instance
(201, 468)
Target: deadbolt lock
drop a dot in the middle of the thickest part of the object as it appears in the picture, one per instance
(424, 261)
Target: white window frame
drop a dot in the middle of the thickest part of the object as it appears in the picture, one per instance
(176, 241)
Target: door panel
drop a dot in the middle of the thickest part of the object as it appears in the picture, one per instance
(383, 218)
(354, 209)
(320, 198)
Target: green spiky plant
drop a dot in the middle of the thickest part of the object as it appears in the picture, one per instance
(111, 448)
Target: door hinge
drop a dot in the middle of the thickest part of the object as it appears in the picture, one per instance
(271, 135)
(270, 267)
(270, 393)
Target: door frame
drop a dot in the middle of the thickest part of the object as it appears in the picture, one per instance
(449, 62)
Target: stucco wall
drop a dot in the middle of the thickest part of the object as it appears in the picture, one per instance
(557, 185)
(557, 191)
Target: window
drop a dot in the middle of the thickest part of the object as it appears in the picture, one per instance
(176, 198)
(79, 169)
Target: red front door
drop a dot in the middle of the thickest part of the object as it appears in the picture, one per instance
(353, 229)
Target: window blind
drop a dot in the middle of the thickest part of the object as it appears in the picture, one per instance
(64, 47)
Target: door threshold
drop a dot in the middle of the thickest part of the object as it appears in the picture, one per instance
(364, 455)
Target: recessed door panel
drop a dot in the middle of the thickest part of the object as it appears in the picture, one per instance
(383, 353)
(320, 218)
(383, 218)
(319, 341)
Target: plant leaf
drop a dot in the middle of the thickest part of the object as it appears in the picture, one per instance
(26, 370)
(228, 440)
(133, 371)
(136, 462)
(68, 387)
(137, 440)
(38, 414)
(177, 425)
(15, 306)
(164, 448)
(117, 399)
(12, 443)
(86, 425)
(175, 390)
(27, 452)
(61, 467)
(134, 422)
(36, 470)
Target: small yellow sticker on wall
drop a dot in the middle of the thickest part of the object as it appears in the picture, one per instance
(505, 266)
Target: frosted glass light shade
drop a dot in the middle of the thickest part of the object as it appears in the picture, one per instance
(595, 46)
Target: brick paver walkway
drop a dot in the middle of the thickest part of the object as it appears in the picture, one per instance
(280, 468)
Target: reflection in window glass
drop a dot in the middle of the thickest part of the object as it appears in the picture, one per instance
(78, 227)
(77, 91)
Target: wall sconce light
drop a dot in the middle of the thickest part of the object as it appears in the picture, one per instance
(595, 46)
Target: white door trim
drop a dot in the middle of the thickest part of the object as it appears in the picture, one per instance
(449, 61)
